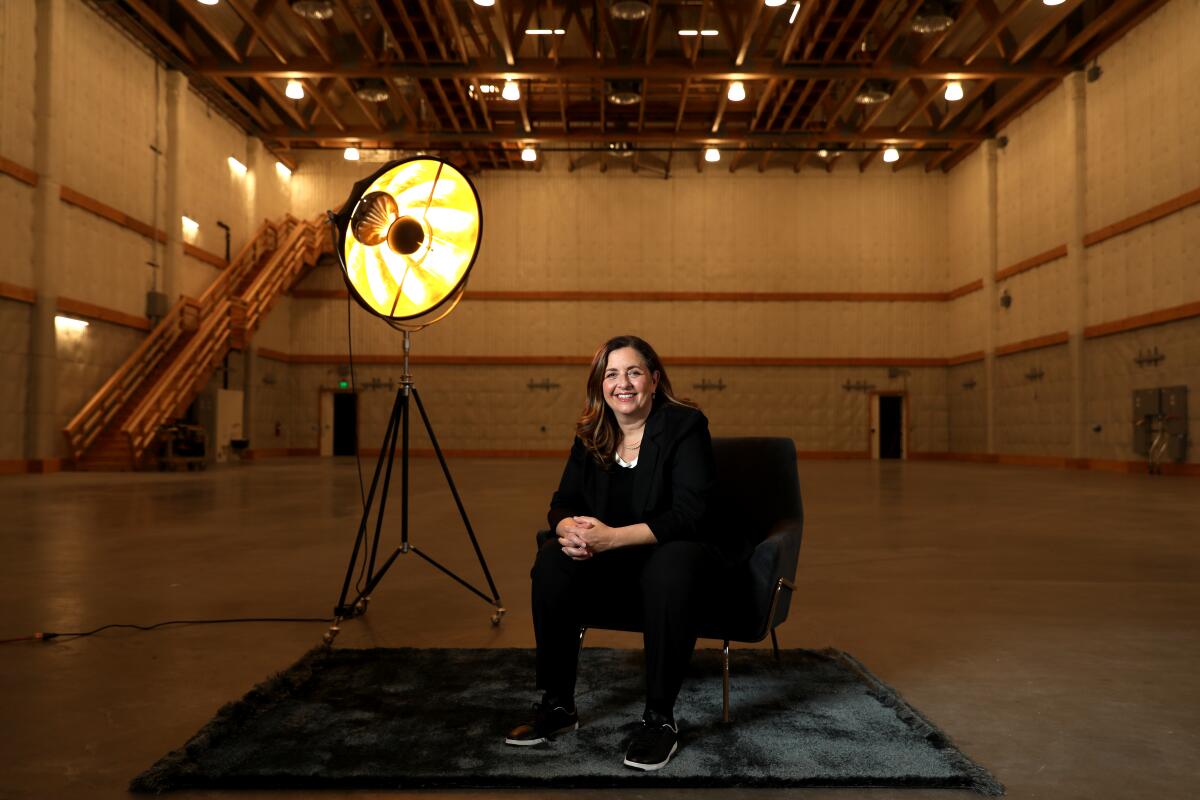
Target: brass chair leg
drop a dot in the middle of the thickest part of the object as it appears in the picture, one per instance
(725, 684)
(582, 631)
(775, 644)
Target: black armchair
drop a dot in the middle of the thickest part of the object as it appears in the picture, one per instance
(756, 512)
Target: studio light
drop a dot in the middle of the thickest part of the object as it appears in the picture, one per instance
(350, 154)
(891, 155)
(406, 239)
(712, 155)
(294, 90)
(737, 92)
(511, 91)
(411, 238)
(954, 91)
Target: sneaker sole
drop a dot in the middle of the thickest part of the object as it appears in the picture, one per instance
(527, 742)
(650, 767)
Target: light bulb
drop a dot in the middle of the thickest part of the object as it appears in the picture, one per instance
(208, 2)
(529, 154)
(485, 3)
(891, 154)
(954, 91)
(1052, 2)
(511, 91)
(350, 154)
(774, 3)
(294, 90)
(712, 155)
(283, 170)
(737, 92)
(822, 154)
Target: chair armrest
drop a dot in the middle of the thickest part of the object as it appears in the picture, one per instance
(775, 559)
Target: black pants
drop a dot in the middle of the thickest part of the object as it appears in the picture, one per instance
(658, 588)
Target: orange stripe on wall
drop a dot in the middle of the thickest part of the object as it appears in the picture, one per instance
(1143, 218)
(92, 311)
(1033, 262)
(1034, 344)
(15, 170)
(680, 361)
(1185, 311)
(966, 358)
(10, 291)
(683, 297)
(94, 206)
(204, 255)
(965, 289)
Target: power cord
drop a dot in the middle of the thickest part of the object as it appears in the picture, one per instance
(46, 636)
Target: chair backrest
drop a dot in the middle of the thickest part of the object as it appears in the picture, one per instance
(757, 485)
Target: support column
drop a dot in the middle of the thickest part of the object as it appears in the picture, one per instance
(1076, 113)
(172, 269)
(249, 389)
(991, 296)
(42, 437)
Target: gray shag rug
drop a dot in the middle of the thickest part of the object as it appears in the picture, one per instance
(435, 718)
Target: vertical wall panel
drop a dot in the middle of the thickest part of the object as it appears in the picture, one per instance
(16, 136)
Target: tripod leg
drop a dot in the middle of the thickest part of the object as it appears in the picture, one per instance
(454, 491)
(390, 446)
(388, 435)
(404, 470)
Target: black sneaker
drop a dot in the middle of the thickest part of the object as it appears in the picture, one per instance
(548, 720)
(653, 746)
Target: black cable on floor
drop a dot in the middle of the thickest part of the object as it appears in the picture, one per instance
(47, 635)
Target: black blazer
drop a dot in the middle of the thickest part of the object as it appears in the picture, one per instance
(674, 475)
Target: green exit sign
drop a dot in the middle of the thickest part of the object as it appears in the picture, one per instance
(343, 384)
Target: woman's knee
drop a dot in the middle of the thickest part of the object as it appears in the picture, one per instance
(676, 569)
(551, 565)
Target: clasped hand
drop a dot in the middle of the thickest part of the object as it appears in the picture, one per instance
(583, 537)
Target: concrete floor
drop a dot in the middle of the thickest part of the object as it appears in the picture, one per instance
(1046, 620)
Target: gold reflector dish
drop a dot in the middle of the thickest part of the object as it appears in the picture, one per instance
(408, 236)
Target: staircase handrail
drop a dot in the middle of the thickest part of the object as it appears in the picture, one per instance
(264, 239)
(98, 411)
(177, 384)
(304, 245)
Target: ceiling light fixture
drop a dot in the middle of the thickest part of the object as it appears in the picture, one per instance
(891, 155)
(294, 90)
(689, 32)
(485, 3)
(350, 154)
(1052, 2)
(283, 170)
(873, 92)
(954, 91)
(237, 166)
(773, 3)
(795, 13)
(629, 10)
(737, 92)
(528, 154)
(511, 91)
(372, 91)
(931, 18)
(312, 9)
(208, 2)
(709, 32)
(712, 155)
(624, 92)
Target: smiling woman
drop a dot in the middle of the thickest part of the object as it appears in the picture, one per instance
(627, 517)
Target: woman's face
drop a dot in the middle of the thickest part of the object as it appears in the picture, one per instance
(628, 385)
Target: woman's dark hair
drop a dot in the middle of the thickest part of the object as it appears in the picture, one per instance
(597, 426)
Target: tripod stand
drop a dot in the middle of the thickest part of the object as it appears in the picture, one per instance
(397, 427)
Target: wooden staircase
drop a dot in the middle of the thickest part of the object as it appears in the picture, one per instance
(118, 428)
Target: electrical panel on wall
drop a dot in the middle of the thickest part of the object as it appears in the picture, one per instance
(1160, 423)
